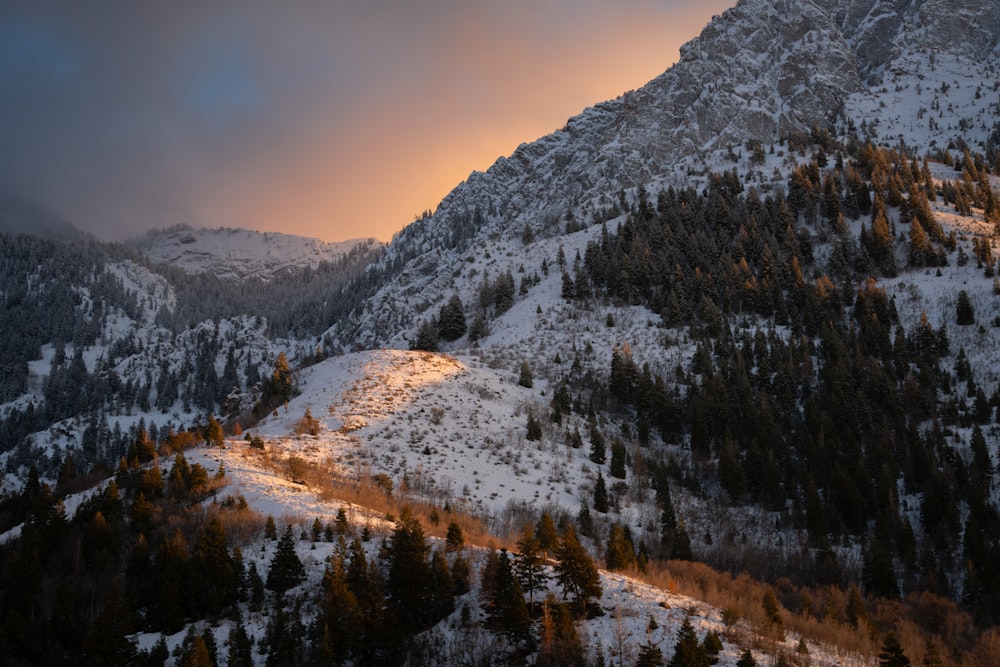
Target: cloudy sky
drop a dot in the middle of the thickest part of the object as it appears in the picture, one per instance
(329, 118)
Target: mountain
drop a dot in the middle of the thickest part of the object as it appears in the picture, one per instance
(239, 253)
(758, 73)
(734, 331)
(19, 215)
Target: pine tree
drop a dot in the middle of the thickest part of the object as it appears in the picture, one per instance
(598, 452)
(650, 655)
(525, 378)
(546, 533)
(213, 432)
(454, 540)
(688, 651)
(409, 573)
(340, 620)
(964, 314)
(427, 337)
(560, 644)
(746, 659)
(529, 566)
(534, 428)
(772, 613)
(240, 652)
(575, 571)
(451, 319)
(600, 495)
(508, 604)
(620, 552)
(618, 456)
(892, 654)
(286, 569)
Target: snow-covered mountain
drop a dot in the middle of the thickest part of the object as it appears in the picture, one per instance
(766, 282)
(239, 253)
(920, 74)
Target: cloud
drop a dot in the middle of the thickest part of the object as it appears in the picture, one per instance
(333, 119)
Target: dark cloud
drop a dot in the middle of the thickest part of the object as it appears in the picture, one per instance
(126, 115)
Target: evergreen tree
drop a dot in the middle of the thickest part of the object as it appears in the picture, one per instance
(213, 432)
(688, 651)
(545, 533)
(286, 569)
(772, 614)
(427, 337)
(857, 613)
(560, 644)
(534, 428)
(650, 655)
(454, 540)
(746, 659)
(964, 314)
(240, 651)
(575, 571)
(529, 566)
(508, 604)
(451, 319)
(525, 378)
(892, 654)
(620, 552)
(618, 457)
(600, 495)
(340, 620)
(409, 573)
(598, 452)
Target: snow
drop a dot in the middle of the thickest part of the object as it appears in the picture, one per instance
(239, 253)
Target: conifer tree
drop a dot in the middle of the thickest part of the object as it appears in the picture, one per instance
(546, 533)
(525, 377)
(772, 614)
(240, 651)
(560, 644)
(575, 571)
(340, 619)
(409, 574)
(451, 319)
(964, 314)
(529, 565)
(618, 456)
(508, 601)
(286, 569)
(600, 495)
(620, 552)
(688, 651)
(892, 654)
(598, 452)
(454, 538)
(650, 655)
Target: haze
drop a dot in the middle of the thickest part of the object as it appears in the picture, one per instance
(335, 120)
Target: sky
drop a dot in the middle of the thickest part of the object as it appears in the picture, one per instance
(335, 119)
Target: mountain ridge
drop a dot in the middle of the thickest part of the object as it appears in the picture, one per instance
(785, 68)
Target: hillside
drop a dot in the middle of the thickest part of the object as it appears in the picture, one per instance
(736, 330)
(239, 253)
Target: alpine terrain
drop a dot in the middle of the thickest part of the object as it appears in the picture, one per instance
(709, 375)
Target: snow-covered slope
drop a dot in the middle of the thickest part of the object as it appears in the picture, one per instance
(886, 71)
(239, 253)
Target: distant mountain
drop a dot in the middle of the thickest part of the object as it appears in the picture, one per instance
(19, 215)
(239, 253)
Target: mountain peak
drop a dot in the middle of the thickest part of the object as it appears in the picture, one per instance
(238, 253)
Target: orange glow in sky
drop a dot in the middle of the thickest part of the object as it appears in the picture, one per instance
(333, 119)
(405, 146)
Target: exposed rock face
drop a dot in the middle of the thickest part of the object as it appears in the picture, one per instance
(759, 71)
